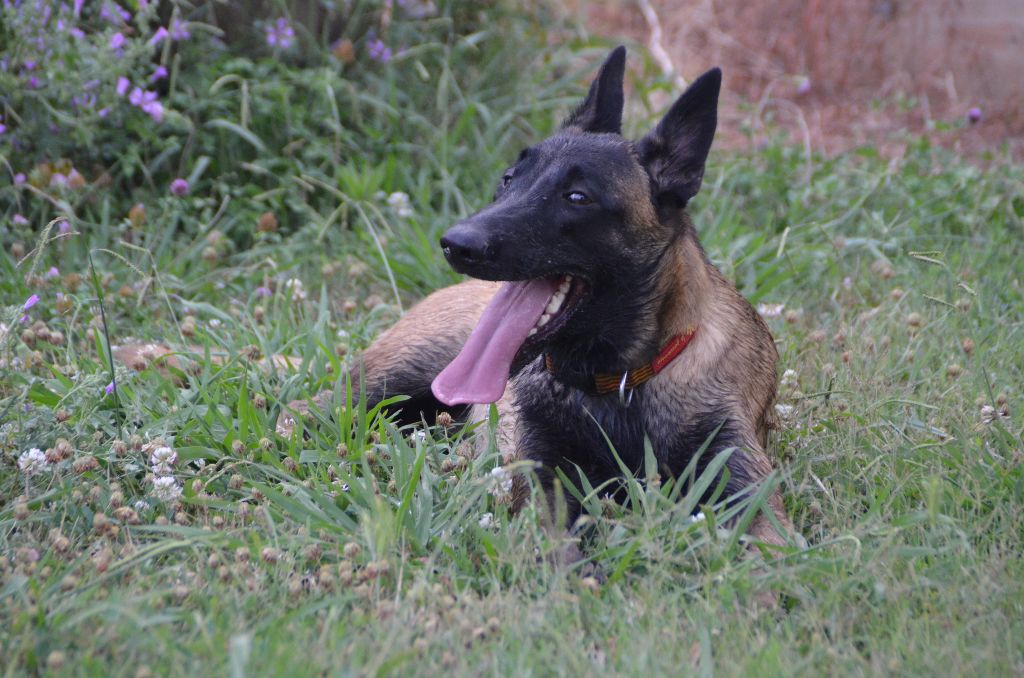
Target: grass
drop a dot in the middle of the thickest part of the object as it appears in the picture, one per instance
(361, 550)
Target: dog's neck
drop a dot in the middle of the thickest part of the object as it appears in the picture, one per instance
(685, 287)
(657, 311)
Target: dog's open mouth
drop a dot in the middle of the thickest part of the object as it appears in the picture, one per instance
(520, 313)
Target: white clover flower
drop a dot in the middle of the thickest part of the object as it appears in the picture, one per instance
(399, 202)
(500, 483)
(166, 489)
(294, 285)
(488, 522)
(790, 378)
(214, 322)
(698, 517)
(32, 462)
(785, 411)
(990, 414)
(770, 310)
(162, 458)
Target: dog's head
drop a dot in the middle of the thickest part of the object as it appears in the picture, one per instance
(580, 217)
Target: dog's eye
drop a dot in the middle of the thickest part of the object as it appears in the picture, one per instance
(578, 198)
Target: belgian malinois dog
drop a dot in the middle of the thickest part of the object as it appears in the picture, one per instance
(595, 311)
(595, 315)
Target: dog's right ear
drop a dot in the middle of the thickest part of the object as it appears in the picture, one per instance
(601, 111)
(673, 153)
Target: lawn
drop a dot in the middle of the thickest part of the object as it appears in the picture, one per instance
(279, 190)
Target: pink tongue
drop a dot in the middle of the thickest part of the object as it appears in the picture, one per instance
(479, 373)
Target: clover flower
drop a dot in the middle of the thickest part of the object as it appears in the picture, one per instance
(110, 388)
(179, 187)
(166, 489)
(123, 84)
(32, 462)
(399, 202)
(789, 378)
(500, 483)
(263, 291)
(162, 458)
(974, 115)
(770, 310)
(19, 219)
(280, 34)
(295, 286)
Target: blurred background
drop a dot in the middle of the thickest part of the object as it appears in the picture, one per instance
(846, 72)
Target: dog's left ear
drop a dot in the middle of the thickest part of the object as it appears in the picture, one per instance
(601, 111)
(673, 153)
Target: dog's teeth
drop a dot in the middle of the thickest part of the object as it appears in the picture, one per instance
(566, 284)
(543, 320)
(532, 332)
(556, 303)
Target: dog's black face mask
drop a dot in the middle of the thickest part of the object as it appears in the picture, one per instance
(576, 228)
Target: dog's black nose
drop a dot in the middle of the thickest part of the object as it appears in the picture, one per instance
(464, 244)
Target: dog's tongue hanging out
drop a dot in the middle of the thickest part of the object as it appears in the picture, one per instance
(480, 372)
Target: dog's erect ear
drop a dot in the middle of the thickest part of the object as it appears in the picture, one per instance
(673, 153)
(601, 111)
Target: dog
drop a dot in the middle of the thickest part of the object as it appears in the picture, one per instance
(593, 318)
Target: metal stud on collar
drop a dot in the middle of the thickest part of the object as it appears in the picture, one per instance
(623, 400)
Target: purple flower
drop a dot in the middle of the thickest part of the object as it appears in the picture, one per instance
(179, 187)
(33, 82)
(117, 41)
(804, 86)
(78, 6)
(155, 110)
(179, 30)
(104, 112)
(280, 34)
(135, 98)
(378, 50)
(53, 272)
(64, 227)
(20, 178)
(3, 128)
(30, 302)
(19, 220)
(110, 387)
(263, 291)
(76, 32)
(58, 179)
(113, 12)
(122, 85)
(974, 115)
(159, 36)
(159, 74)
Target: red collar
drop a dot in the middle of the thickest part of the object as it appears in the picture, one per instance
(608, 383)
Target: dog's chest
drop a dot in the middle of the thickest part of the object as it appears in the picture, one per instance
(562, 426)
